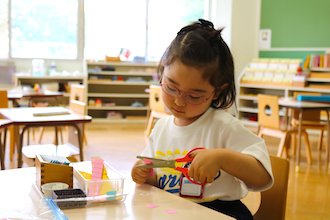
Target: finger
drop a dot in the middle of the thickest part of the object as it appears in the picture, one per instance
(209, 179)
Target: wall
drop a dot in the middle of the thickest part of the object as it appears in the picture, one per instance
(245, 29)
(241, 21)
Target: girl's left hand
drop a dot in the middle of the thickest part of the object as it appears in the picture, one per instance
(205, 166)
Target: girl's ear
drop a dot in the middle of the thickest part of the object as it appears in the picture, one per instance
(223, 87)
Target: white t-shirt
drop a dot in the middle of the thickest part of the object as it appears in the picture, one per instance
(214, 129)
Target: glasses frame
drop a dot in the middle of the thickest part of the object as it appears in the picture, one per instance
(184, 95)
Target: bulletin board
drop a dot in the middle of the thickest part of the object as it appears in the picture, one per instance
(297, 23)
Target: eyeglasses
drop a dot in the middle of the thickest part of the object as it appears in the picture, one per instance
(188, 97)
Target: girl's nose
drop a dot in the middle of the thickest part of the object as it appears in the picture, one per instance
(179, 100)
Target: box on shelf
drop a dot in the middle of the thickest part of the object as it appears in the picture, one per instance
(51, 169)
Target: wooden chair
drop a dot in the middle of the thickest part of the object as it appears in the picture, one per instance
(12, 130)
(310, 120)
(3, 99)
(270, 125)
(77, 92)
(156, 106)
(273, 200)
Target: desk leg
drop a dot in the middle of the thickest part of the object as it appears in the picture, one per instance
(3, 147)
(14, 134)
(328, 140)
(80, 141)
(20, 146)
(299, 140)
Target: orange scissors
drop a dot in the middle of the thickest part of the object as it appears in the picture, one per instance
(158, 163)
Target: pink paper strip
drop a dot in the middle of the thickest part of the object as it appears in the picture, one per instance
(152, 206)
(170, 211)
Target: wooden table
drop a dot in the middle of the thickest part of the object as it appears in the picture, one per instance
(32, 95)
(25, 118)
(19, 198)
(303, 106)
(3, 134)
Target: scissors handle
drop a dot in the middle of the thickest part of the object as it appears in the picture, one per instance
(184, 171)
(187, 157)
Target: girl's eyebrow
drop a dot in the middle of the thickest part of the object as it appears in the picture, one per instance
(192, 90)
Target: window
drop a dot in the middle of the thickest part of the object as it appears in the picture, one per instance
(43, 29)
(49, 29)
(4, 38)
(165, 18)
(114, 24)
(144, 27)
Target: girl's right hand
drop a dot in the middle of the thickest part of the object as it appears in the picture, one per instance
(140, 175)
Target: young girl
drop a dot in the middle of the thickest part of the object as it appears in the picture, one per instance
(197, 81)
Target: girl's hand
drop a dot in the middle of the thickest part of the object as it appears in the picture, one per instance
(205, 166)
(140, 175)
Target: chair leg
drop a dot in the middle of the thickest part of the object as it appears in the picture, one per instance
(287, 144)
(294, 144)
(282, 145)
(2, 158)
(319, 147)
(42, 130)
(307, 147)
(149, 126)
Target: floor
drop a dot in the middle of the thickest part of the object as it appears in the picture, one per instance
(308, 192)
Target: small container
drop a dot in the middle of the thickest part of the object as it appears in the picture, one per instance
(109, 189)
(69, 198)
(48, 188)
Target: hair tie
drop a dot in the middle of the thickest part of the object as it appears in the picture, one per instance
(206, 24)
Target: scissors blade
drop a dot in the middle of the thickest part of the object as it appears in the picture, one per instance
(156, 163)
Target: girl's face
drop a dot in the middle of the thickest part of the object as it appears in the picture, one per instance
(185, 93)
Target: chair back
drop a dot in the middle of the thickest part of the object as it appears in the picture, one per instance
(273, 200)
(77, 107)
(3, 99)
(310, 115)
(77, 92)
(268, 111)
(156, 103)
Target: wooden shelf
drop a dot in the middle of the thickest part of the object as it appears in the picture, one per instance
(247, 100)
(125, 85)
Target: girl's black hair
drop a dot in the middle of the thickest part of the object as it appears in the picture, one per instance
(201, 46)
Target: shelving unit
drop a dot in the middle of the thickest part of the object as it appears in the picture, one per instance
(117, 91)
(248, 91)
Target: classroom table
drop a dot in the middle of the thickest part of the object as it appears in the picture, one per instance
(21, 199)
(32, 96)
(28, 117)
(303, 106)
(3, 134)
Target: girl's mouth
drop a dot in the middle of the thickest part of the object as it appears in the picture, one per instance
(177, 110)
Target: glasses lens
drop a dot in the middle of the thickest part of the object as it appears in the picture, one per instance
(190, 98)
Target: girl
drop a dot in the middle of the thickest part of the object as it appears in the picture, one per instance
(197, 81)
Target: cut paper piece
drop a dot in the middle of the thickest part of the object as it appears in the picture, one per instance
(152, 206)
(97, 171)
(97, 168)
(147, 161)
(151, 172)
(170, 211)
